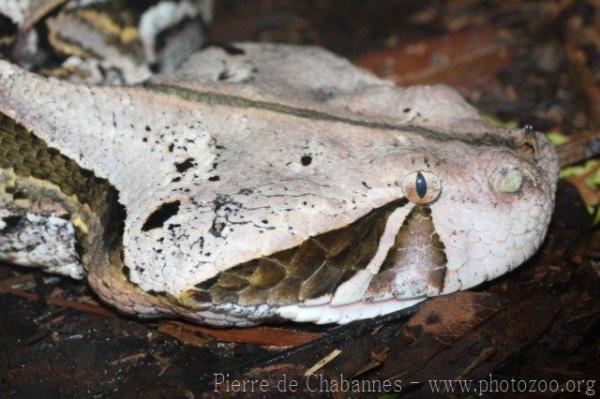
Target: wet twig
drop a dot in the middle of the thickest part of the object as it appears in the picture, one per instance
(580, 147)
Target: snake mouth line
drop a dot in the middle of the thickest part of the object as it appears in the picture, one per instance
(320, 265)
(314, 268)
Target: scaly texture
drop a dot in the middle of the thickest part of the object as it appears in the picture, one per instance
(271, 182)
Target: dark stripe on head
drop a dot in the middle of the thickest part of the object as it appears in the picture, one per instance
(417, 251)
(213, 98)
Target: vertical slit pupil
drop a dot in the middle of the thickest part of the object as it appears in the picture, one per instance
(421, 185)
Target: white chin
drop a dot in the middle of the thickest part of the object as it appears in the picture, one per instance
(323, 314)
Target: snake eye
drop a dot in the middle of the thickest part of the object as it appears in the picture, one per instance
(421, 187)
(507, 179)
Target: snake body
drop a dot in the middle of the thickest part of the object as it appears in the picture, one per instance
(263, 183)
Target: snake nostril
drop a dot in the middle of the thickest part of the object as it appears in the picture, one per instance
(526, 145)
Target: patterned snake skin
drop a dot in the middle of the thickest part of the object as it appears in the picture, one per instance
(265, 182)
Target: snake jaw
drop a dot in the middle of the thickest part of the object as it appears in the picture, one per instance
(236, 203)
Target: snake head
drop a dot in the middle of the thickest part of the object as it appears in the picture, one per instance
(478, 212)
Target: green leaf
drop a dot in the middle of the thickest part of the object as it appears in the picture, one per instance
(557, 138)
(514, 124)
(579, 169)
(597, 218)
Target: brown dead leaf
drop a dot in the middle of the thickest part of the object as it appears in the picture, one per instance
(268, 336)
(479, 54)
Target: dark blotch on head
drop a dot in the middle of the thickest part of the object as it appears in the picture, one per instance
(214, 178)
(163, 213)
(421, 185)
(232, 50)
(306, 160)
(155, 67)
(224, 76)
(185, 165)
